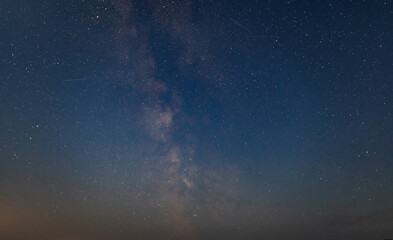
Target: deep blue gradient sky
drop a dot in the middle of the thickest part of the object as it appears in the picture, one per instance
(196, 119)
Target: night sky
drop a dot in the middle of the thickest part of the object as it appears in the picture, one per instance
(196, 120)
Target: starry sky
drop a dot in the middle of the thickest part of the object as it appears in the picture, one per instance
(126, 119)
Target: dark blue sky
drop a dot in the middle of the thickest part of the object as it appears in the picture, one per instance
(196, 119)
